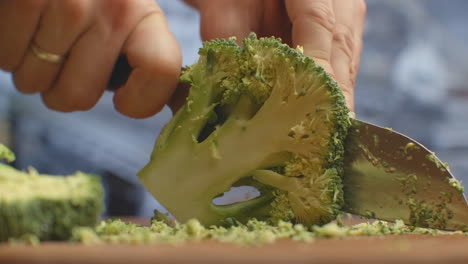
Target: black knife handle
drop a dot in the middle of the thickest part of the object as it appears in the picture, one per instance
(120, 73)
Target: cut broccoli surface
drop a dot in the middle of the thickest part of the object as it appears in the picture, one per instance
(261, 115)
(47, 207)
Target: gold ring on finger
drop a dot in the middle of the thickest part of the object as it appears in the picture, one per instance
(44, 55)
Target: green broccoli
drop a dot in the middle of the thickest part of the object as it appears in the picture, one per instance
(252, 233)
(6, 154)
(47, 207)
(261, 115)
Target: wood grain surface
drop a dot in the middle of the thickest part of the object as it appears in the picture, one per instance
(390, 249)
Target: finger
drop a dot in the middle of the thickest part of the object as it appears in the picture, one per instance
(275, 21)
(343, 46)
(86, 72)
(155, 57)
(348, 23)
(179, 97)
(19, 20)
(313, 26)
(231, 21)
(358, 37)
(61, 23)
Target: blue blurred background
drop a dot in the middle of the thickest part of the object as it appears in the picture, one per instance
(413, 78)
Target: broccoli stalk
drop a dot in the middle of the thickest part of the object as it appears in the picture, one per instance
(262, 115)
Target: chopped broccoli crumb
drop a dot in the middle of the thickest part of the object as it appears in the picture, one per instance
(252, 233)
(440, 165)
(375, 139)
(410, 146)
(26, 239)
(456, 184)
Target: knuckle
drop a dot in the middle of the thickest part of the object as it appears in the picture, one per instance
(344, 39)
(320, 13)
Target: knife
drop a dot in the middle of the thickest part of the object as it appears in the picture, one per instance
(121, 72)
(388, 175)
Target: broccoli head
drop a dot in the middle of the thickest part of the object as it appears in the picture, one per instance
(47, 207)
(263, 115)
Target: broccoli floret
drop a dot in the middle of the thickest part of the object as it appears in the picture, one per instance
(44, 206)
(261, 115)
(6, 154)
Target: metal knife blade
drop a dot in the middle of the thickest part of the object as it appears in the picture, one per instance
(390, 176)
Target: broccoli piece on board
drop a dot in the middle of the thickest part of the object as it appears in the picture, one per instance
(6, 154)
(46, 206)
(261, 115)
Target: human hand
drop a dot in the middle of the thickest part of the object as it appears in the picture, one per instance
(330, 31)
(86, 37)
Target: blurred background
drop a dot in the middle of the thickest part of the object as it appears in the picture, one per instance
(413, 78)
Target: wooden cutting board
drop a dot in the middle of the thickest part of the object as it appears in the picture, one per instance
(389, 249)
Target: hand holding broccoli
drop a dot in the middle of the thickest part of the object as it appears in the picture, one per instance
(330, 31)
